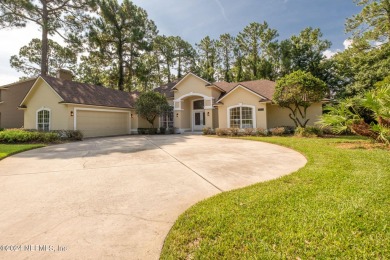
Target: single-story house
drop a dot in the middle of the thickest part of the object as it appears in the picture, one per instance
(198, 104)
(62, 104)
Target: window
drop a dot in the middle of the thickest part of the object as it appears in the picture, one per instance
(43, 120)
(199, 104)
(166, 120)
(241, 117)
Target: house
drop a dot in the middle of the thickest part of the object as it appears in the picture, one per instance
(198, 104)
(62, 104)
(10, 97)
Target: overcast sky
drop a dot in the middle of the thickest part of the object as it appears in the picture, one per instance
(194, 19)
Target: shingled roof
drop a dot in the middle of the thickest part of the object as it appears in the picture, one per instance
(87, 94)
(167, 89)
(262, 87)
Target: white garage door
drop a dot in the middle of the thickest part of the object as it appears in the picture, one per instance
(101, 123)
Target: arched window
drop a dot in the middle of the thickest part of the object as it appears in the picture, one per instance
(241, 117)
(43, 119)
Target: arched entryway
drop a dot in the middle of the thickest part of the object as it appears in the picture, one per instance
(193, 112)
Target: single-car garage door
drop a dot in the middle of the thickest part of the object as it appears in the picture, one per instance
(102, 123)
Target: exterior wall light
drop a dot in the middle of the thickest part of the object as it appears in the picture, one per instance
(177, 114)
(71, 113)
(208, 113)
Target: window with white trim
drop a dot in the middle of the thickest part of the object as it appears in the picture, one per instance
(166, 119)
(43, 120)
(241, 117)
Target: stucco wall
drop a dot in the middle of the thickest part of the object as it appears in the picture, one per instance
(278, 116)
(43, 96)
(242, 97)
(192, 84)
(11, 98)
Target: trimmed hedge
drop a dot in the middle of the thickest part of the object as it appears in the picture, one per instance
(147, 131)
(14, 136)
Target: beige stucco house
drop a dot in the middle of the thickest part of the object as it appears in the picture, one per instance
(198, 104)
(62, 104)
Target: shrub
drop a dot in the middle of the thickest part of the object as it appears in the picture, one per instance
(234, 131)
(281, 130)
(309, 131)
(206, 130)
(249, 131)
(221, 131)
(24, 136)
(70, 135)
(1, 129)
(147, 131)
(260, 132)
(163, 130)
(277, 131)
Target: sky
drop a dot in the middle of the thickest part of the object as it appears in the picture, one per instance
(195, 19)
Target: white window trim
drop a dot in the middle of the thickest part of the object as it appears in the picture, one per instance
(241, 106)
(36, 116)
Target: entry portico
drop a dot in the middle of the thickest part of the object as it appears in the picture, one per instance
(193, 103)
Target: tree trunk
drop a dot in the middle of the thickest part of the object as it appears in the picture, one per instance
(45, 41)
(169, 72)
(120, 67)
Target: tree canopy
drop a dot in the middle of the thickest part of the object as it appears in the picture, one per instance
(151, 105)
(297, 92)
(52, 16)
(29, 59)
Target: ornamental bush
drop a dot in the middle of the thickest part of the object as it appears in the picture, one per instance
(15, 136)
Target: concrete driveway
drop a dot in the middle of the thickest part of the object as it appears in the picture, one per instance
(118, 197)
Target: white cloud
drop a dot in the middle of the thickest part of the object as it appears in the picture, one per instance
(329, 53)
(347, 43)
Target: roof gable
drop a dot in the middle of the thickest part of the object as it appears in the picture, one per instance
(35, 85)
(261, 88)
(190, 74)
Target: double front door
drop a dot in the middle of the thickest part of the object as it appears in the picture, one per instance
(199, 120)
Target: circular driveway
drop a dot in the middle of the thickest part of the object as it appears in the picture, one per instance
(118, 197)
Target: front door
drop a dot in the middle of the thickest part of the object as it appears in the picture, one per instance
(199, 120)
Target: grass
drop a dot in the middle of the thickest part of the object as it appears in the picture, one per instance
(336, 207)
(10, 149)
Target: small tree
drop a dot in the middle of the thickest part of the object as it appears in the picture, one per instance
(150, 105)
(297, 92)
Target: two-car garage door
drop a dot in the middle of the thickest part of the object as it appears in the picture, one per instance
(102, 123)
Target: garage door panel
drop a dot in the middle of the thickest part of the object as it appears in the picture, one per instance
(100, 123)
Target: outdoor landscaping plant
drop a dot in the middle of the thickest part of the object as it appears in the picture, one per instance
(297, 92)
(346, 116)
(14, 136)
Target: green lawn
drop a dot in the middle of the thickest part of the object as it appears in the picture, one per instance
(10, 149)
(336, 207)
